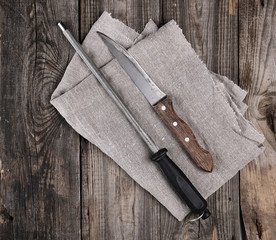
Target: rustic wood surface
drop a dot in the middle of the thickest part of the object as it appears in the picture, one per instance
(257, 64)
(56, 185)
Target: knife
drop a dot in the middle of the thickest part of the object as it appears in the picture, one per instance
(161, 103)
(176, 178)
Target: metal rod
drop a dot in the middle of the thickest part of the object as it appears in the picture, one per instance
(97, 73)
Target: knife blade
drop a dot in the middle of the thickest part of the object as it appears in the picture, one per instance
(177, 179)
(161, 103)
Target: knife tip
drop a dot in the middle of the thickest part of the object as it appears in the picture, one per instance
(103, 36)
(99, 33)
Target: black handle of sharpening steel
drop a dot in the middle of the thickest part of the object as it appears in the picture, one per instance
(181, 184)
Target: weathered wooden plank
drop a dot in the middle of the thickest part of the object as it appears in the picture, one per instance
(213, 33)
(40, 184)
(133, 13)
(257, 75)
(39, 173)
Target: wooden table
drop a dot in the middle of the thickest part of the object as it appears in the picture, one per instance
(56, 185)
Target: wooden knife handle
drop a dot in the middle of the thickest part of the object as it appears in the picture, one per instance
(184, 134)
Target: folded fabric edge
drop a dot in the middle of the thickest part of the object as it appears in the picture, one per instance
(260, 150)
(236, 93)
(119, 22)
(149, 28)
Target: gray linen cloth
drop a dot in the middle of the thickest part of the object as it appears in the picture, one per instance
(209, 103)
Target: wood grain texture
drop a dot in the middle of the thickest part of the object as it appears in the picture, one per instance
(56, 185)
(39, 170)
(184, 134)
(257, 75)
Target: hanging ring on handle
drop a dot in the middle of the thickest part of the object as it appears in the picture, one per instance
(193, 220)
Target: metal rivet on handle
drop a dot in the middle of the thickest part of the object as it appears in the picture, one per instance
(163, 108)
(187, 139)
(175, 124)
